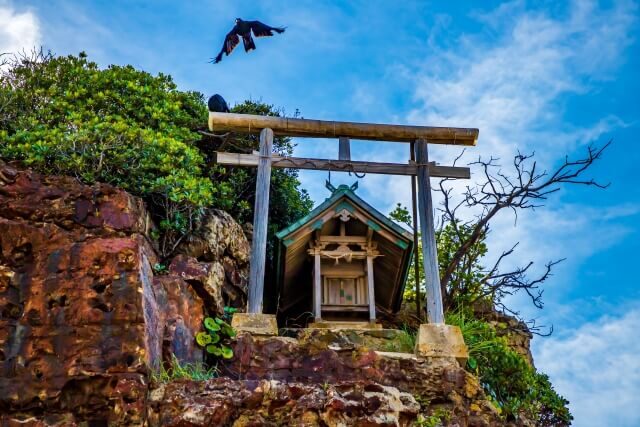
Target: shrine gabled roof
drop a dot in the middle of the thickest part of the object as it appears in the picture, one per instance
(346, 192)
(293, 266)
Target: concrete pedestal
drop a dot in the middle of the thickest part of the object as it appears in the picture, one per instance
(440, 340)
(255, 323)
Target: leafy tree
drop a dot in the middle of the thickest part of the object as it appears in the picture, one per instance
(466, 285)
(126, 127)
(287, 202)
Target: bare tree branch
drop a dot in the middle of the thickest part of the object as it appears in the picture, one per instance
(522, 187)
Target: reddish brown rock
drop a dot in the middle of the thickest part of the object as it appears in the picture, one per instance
(182, 313)
(222, 402)
(220, 246)
(434, 380)
(218, 284)
(74, 316)
(99, 209)
(79, 323)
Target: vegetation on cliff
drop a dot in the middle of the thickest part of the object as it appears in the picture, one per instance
(516, 387)
(126, 127)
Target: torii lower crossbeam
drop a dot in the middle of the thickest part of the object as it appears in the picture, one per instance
(411, 168)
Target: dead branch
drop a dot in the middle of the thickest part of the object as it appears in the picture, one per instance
(523, 187)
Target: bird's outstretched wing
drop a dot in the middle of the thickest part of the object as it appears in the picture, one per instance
(230, 42)
(263, 30)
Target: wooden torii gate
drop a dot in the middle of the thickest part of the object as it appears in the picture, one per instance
(418, 136)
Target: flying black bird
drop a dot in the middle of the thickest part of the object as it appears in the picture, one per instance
(243, 29)
(217, 104)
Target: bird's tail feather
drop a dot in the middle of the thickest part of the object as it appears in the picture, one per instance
(249, 44)
(279, 30)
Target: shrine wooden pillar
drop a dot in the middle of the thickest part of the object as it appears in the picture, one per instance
(370, 289)
(317, 287)
(260, 221)
(435, 313)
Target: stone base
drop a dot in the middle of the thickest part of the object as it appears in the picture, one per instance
(255, 323)
(339, 325)
(440, 340)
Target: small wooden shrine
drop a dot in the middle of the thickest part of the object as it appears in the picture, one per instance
(343, 261)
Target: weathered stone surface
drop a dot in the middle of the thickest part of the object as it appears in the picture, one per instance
(258, 324)
(215, 260)
(82, 317)
(223, 402)
(79, 323)
(392, 340)
(440, 340)
(99, 209)
(433, 381)
(182, 313)
(74, 315)
(207, 278)
(218, 234)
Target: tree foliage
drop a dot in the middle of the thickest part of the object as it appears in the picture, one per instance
(126, 127)
(287, 201)
(64, 115)
(466, 286)
(515, 387)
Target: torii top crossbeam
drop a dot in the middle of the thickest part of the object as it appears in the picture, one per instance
(284, 126)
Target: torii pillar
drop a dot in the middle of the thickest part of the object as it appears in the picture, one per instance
(254, 320)
(435, 339)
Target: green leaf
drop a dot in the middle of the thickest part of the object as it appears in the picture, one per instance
(203, 338)
(214, 337)
(215, 350)
(472, 363)
(229, 331)
(211, 324)
(227, 352)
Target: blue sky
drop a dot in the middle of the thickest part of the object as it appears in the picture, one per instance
(546, 76)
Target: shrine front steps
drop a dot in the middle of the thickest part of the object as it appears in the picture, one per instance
(345, 324)
(341, 339)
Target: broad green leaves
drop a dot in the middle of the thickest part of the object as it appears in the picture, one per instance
(217, 336)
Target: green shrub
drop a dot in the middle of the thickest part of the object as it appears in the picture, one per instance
(515, 387)
(126, 127)
(118, 125)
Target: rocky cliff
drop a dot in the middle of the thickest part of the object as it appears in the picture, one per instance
(84, 320)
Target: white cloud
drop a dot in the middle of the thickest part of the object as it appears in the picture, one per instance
(510, 87)
(18, 30)
(512, 84)
(597, 368)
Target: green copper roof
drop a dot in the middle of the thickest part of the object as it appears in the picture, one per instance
(346, 192)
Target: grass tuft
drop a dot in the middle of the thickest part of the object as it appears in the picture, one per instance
(178, 371)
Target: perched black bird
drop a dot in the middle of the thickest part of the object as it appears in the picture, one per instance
(217, 104)
(243, 29)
